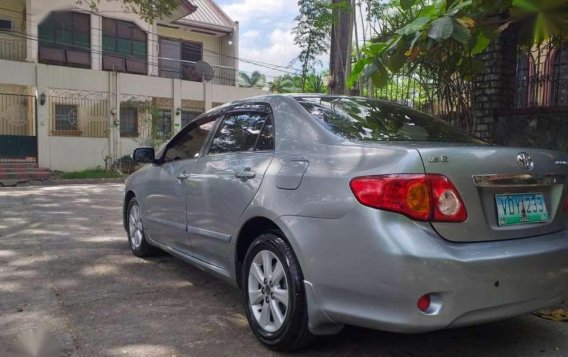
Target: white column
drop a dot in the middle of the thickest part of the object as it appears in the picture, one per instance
(236, 52)
(176, 92)
(96, 42)
(31, 32)
(153, 51)
(208, 95)
(43, 117)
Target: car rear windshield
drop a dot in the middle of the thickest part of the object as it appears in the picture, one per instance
(374, 120)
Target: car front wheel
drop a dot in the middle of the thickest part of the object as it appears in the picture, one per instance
(136, 237)
(274, 295)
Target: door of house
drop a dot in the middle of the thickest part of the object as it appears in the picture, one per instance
(18, 132)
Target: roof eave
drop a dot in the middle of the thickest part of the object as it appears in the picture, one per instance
(205, 26)
(186, 8)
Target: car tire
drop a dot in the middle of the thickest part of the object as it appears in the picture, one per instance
(135, 231)
(275, 300)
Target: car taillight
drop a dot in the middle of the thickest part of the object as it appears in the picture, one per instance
(448, 205)
(420, 197)
(566, 205)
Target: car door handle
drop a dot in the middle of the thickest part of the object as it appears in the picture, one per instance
(182, 176)
(245, 174)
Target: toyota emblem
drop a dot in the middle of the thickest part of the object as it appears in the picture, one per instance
(525, 161)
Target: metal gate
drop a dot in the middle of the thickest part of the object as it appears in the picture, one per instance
(18, 132)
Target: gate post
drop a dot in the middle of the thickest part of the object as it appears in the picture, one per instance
(43, 117)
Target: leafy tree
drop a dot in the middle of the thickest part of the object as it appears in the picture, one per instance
(312, 33)
(314, 84)
(149, 10)
(256, 79)
(447, 35)
(283, 84)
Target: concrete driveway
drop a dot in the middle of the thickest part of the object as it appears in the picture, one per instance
(65, 268)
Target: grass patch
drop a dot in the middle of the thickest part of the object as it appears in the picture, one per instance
(90, 174)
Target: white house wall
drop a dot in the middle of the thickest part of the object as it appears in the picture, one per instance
(79, 153)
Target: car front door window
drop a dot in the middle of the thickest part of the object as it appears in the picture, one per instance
(188, 145)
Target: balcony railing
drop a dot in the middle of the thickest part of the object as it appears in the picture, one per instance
(12, 48)
(174, 68)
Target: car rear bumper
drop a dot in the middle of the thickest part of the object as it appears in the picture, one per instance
(370, 267)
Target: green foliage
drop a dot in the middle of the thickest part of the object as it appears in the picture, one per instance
(256, 80)
(284, 84)
(148, 10)
(293, 84)
(443, 37)
(312, 33)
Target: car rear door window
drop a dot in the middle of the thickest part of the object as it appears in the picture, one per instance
(189, 143)
(266, 138)
(239, 131)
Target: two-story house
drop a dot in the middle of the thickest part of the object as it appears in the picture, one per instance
(82, 88)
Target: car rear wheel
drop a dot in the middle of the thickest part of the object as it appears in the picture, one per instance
(274, 295)
(136, 237)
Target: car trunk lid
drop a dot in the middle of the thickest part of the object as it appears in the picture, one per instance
(481, 173)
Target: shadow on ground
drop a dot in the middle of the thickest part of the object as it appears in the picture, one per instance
(65, 267)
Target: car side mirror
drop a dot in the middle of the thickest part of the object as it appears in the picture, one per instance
(144, 155)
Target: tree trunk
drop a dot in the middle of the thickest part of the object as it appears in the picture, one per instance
(340, 53)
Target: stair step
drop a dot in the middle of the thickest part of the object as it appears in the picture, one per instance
(9, 165)
(21, 169)
(37, 175)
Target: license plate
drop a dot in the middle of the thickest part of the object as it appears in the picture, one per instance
(522, 208)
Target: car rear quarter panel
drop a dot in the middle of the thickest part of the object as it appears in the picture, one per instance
(324, 190)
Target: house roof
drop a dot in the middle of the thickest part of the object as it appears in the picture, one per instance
(186, 7)
(208, 15)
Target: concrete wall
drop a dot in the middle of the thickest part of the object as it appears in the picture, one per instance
(73, 154)
(544, 130)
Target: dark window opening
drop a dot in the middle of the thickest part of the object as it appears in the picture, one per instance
(188, 115)
(128, 122)
(125, 47)
(163, 123)
(6, 25)
(66, 118)
(560, 78)
(525, 81)
(178, 58)
(65, 39)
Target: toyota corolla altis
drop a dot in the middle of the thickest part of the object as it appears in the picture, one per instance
(328, 210)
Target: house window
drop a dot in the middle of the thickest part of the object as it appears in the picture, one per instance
(178, 58)
(125, 47)
(163, 123)
(66, 118)
(188, 115)
(6, 25)
(560, 78)
(65, 39)
(526, 81)
(128, 122)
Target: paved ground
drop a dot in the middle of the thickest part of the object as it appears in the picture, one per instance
(65, 268)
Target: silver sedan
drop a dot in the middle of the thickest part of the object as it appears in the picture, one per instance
(328, 211)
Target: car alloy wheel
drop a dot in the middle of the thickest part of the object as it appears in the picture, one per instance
(135, 229)
(274, 295)
(268, 291)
